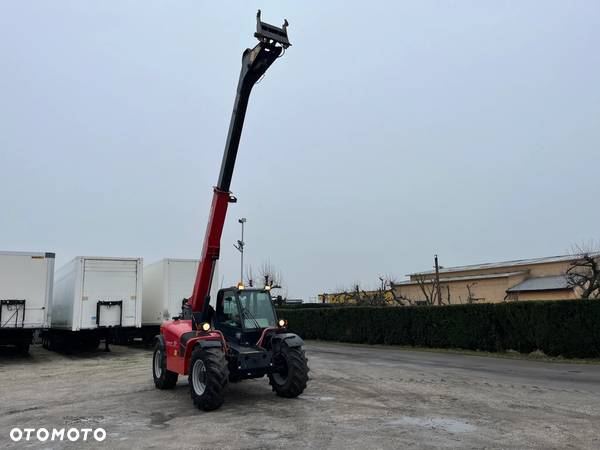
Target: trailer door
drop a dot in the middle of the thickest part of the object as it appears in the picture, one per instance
(109, 293)
(181, 276)
(23, 290)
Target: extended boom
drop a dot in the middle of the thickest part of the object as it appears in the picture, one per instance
(255, 62)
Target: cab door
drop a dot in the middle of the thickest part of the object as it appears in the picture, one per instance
(228, 316)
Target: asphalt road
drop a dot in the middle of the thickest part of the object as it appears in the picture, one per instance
(358, 397)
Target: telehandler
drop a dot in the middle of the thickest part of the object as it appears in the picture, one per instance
(240, 337)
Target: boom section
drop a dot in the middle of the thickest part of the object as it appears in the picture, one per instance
(255, 62)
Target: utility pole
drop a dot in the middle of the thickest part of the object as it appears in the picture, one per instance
(437, 281)
(240, 247)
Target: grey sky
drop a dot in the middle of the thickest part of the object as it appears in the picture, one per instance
(390, 131)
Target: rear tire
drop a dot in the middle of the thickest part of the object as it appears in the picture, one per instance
(291, 381)
(163, 378)
(208, 377)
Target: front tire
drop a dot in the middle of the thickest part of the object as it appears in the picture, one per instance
(163, 378)
(292, 375)
(208, 377)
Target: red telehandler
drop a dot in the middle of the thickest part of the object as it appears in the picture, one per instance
(240, 337)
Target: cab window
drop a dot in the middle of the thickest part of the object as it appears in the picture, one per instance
(231, 314)
(257, 309)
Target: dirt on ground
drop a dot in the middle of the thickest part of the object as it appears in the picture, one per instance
(358, 397)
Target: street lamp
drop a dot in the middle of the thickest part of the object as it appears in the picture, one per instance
(240, 247)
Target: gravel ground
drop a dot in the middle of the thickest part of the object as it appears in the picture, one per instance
(358, 397)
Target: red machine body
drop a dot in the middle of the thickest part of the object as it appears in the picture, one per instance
(172, 332)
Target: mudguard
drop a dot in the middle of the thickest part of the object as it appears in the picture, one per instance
(290, 339)
(200, 341)
(207, 344)
(160, 340)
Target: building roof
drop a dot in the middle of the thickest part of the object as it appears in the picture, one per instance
(462, 278)
(502, 264)
(557, 283)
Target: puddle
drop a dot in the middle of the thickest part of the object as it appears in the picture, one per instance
(72, 420)
(322, 399)
(160, 419)
(449, 425)
(18, 411)
(262, 433)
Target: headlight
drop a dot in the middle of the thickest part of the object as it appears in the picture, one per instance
(282, 323)
(205, 326)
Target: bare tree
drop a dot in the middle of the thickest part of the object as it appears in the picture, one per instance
(583, 274)
(389, 285)
(427, 287)
(470, 297)
(249, 276)
(359, 296)
(384, 295)
(356, 295)
(270, 276)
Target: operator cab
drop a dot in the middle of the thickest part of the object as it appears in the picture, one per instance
(242, 314)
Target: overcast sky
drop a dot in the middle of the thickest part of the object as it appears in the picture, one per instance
(388, 132)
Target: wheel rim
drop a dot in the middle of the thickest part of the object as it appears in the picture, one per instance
(158, 363)
(281, 375)
(199, 377)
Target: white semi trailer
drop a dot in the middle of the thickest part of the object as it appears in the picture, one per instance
(93, 298)
(25, 291)
(167, 284)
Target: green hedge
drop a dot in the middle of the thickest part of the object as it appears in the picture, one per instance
(306, 305)
(570, 328)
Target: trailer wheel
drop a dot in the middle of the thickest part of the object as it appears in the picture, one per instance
(48, 342)
(163, 378)
(291, 375)
(208, 377)
(23, 348)
(91, 343)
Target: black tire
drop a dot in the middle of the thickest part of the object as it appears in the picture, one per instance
(23, 348)
(90, 344)
(48, 342)
(209, 368)
(163, 378)
(291, 380)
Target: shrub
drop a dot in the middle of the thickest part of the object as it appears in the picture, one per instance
(569, 328)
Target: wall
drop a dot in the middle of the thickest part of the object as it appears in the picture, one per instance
(487, 290)
(491, 290)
